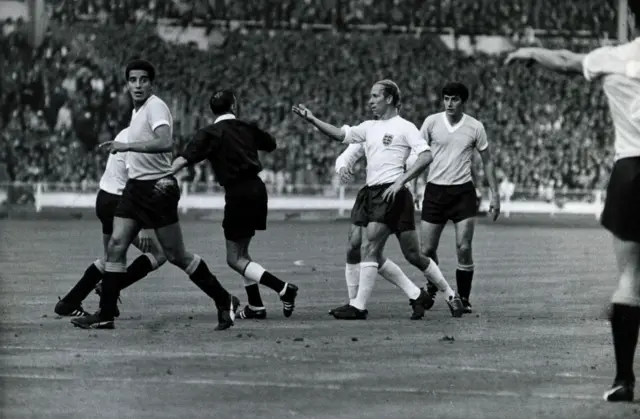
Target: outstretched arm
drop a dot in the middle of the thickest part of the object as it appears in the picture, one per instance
(561, 61)
(331, 131)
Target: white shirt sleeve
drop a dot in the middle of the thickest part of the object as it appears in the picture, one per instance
(158, 114)
(357, 134)
(415, 140)
(349, 157)
(609, 60)
(481, 138)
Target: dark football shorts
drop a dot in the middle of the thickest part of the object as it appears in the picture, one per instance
(442, 203)
(152, 203)
(106, 204)
(369, 207)
(621, 214)
(245, 209)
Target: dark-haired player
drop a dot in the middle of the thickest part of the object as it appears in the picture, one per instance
(384, 206)
(618, 68)
(150, 201)
(450, 193)
(231, 146)
(112, 184)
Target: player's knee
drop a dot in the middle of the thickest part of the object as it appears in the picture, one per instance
(116, 248)
(463, 248)
(413, 256)
(160, 258)
(235, 262)
(429, 252)
(370, 251)
(177, 258)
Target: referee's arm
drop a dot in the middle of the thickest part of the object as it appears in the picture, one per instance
(197, 150)
(266, 142)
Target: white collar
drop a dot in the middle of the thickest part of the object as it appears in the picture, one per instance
(455, 127)
(224, 117)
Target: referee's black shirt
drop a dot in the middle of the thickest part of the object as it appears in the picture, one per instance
(231, 146)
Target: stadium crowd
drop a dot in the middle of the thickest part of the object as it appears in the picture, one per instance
(62, 99)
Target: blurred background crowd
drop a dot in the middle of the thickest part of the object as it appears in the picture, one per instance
(67, 95)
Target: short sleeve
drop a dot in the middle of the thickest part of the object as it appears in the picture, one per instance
(158, 114)
(357, 134)
(425, 129)
(415, 140)
(198, 149)
(349, 157)
(610, 60)
(481, 138)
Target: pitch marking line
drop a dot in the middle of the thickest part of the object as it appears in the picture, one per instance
(214, 354)
(299, 385)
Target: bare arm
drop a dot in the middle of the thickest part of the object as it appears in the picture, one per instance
(561, 61)
(331, 131)
(422, 162)
(161, 144)
(489, 171)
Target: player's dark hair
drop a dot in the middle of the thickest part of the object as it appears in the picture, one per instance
(222, 101)
(141, 65)
(391, 89)
(456, 89)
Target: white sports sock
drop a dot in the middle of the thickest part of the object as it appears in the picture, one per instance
(392, 273)
(352, 275)
(368, 274)
(433, 274)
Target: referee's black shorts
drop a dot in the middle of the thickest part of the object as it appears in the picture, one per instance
(370, 207)
(442, 203)
(245, 209)
(152, 203)
(621, 214)
(106, 204)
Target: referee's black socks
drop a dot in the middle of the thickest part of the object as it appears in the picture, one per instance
(464, 277)
(255, 272)
(201, 276)
(139, 268)
(625, 323)
(92, 275)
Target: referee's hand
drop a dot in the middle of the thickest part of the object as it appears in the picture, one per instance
(494, 208)
(302, 111)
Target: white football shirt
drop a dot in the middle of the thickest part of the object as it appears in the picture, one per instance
(146, 166)
(452, 147)
(349, 157)
(387, 145)
(619, 67)
(115, 173)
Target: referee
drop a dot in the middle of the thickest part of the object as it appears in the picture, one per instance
(231, 146)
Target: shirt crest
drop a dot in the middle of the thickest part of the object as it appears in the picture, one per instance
(387, 139)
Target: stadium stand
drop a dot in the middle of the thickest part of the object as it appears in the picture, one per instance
(62, 99)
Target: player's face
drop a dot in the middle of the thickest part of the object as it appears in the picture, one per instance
(452, 105)
(377, 102)
(139, 85)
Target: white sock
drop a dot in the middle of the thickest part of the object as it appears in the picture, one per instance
(392, 273)
(352, 275)
(434, 275)
(368, 274)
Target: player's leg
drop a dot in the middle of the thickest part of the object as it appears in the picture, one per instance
(146, 262)
(124, 231)
(352, 267)
(464, 271)
(374, 238)
(410, 246)
(71, 304)
(625, 319)
(238, 259)
(433, 220)
(463, 213)
(171, 240)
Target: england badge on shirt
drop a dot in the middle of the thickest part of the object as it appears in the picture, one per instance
(387, 139)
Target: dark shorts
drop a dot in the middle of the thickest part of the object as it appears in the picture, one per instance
(442, 203)
(621, 214)
(245, 209)
(106, 204)
(152, 203)
(369, 207)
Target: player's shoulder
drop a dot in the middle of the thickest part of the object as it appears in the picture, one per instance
(472, 122)
(156, 102)
(433, 118)
(405, 123)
